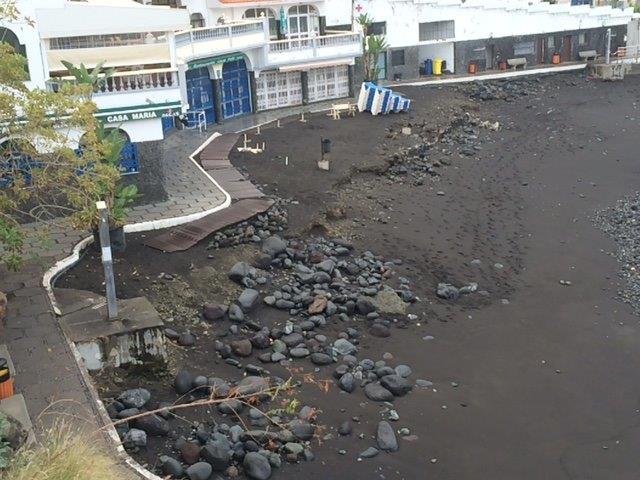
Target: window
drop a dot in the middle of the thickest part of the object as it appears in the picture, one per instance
(197, 20)
(261, 13)
(108, 40)
(303, 21)
(582, 38)
(551, 43)
(378, 28)
(437, 30)
(524, 48)
(397, 58)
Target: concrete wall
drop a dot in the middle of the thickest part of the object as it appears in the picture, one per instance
(481, 51)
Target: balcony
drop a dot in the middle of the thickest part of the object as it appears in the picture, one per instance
(221, 39)
(313, 49)
(130, 82)
(142, 87)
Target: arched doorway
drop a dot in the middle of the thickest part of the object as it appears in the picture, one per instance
(267, 13)
(15, 162)
(236, 94)
(200, 93)
(197, 20)
(129, 162)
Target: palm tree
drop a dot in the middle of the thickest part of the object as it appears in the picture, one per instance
(372, 47)
(96, 78)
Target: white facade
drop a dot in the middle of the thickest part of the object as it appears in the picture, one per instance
(121, 33)
(481, 19)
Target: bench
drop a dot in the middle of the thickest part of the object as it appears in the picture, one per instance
(338, 108)
(517, 62)
(588, 55)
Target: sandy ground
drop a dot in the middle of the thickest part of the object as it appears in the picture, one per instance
(543, 373)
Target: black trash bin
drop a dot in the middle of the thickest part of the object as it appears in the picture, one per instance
(326, 146)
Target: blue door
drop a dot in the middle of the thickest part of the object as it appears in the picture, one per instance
(236, 97)
(200, 92)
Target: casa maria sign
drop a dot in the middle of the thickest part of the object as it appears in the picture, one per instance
(122, 115)
(126, 117)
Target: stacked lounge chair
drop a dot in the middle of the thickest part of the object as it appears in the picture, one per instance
(381, 100)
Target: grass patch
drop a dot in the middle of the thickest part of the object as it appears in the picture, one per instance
(61, 454)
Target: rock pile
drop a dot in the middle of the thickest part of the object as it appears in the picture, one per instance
(622, 223)
(507, 90)
(462, 137)
(251, 445)
(254, 230)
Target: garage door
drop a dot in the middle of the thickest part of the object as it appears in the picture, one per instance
(328, 82)
(200, 92)
(278, 89)
(236, 97)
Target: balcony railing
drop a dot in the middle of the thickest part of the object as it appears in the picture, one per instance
(143, 80)
(294, 50)
(196, 35)
(129, 82)
(314, 42)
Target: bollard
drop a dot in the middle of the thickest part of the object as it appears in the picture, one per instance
(107, 261)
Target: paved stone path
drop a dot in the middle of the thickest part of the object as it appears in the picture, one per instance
(46, 371)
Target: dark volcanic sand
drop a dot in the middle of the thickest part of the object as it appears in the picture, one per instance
(547, 380)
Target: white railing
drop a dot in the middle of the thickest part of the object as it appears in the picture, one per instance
(128, 82)
(143, 80)
(195, 35)
(278, 46)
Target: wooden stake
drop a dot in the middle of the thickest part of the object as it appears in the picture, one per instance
(258, 130)
(278, 123)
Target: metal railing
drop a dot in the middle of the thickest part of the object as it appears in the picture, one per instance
(314, 42)
(204, 34)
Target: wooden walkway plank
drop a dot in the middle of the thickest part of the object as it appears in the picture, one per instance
(248, 200)
(186, 236)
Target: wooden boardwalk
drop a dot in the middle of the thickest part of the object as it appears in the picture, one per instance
(247, 200)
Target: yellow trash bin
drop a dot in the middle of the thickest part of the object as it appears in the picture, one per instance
(437, 66)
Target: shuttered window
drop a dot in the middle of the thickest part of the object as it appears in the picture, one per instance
(437, 30)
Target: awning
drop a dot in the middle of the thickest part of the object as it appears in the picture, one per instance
(307, 66)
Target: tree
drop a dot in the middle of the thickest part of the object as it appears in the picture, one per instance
(43, 174)
(372, 47)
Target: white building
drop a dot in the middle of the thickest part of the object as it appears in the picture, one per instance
(248, 56)
(486, 31)
(215, 59)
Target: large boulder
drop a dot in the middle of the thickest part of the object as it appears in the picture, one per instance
(199, 471)
(386, 437)
(153, 425)
(388, 301)
(242, 348)
(273, 246)
(214, 311)
(252, 385)
(239, 271)
(135, 398)
(377, 393)
(396, 384)
(248, 299)
(183, 382)
(217, 454)
(256, 466)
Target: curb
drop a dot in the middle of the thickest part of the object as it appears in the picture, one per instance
(492, 76)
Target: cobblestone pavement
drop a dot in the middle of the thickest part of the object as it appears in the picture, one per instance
(46, 371)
